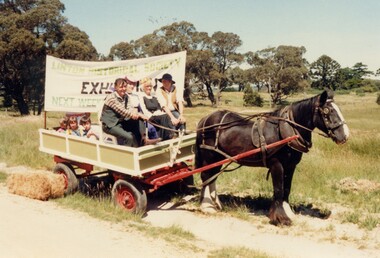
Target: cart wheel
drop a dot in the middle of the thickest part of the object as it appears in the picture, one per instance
(129, 196)
(71, 181)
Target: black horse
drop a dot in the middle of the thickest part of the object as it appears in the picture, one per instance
(224, 134)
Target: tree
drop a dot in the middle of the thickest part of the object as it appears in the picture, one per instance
(352, 78)
(208, 58)
(323, 73)
(30, 29)
(282, 69)
(75, 45)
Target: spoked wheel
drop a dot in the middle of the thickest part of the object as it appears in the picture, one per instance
(71, 181)
(130, 197)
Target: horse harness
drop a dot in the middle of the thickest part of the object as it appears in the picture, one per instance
(287, 127)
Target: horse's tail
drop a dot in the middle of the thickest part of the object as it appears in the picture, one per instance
(198, 142)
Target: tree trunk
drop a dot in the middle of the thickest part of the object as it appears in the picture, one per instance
(210, 94)
(22, 105)
(187, 95)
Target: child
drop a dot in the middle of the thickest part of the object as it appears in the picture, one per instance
(62, 125)
(74, 128)
(85, 122)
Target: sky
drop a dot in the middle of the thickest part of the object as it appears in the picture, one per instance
(348, 31)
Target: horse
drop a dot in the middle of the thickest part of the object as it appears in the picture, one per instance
(224, 134)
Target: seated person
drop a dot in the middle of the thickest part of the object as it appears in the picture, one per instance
(74, 128)
(171, 101)
(88, 132)
(62, 125)
(152, 109)
(121, 120)
(134, 102)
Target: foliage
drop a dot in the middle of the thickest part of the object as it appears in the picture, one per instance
(209, 59)
(323, 73)
(282, 70)
(252, 98)
(29, 30)
(378, 99)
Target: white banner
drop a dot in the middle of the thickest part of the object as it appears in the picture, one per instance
(80, 86)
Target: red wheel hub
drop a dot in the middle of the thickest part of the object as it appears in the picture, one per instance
(125, 198)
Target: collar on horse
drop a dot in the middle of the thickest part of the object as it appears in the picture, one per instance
(287, 127)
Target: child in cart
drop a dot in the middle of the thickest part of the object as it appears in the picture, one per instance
(74, 128)
(88, 131)
(62, 125)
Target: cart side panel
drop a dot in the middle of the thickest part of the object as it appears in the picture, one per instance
(117, 157)
(53, 142)
(80, 148)
(159, 156)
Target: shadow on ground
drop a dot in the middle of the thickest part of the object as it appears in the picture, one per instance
(175, 195)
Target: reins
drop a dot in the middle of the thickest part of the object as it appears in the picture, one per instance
(225, 125)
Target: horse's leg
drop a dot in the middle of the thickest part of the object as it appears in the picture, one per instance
(209, 198)
(288, 177)
(277, 214)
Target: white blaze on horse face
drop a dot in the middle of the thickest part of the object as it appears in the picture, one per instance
(345, 127)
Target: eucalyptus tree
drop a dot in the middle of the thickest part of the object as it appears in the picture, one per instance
(283, 70)
(323, 73)
(30, 29)
(208, 58)
(75, 45)
(27, 30)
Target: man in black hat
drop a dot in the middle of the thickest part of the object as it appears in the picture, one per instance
(171, 101)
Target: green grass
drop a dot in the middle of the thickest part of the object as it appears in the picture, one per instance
(3, 177)
(314, 181)
(241, 252)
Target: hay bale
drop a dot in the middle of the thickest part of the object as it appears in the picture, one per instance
(38, 185)
(57, 185)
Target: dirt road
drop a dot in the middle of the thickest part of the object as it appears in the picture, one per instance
(30, 228)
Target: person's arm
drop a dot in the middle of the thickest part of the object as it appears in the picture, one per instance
(161, 99)
(180, 101)
(119, 108)
(144, 110)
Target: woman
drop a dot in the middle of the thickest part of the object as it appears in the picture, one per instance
(152, 109)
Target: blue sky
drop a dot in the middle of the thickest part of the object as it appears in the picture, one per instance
(346, 30)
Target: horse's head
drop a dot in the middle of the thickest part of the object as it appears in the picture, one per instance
(329, 119)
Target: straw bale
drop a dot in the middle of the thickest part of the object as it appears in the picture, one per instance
(36, 185)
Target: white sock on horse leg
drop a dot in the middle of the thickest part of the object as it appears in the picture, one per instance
(214, 195)
(288, 210)
(207, 204)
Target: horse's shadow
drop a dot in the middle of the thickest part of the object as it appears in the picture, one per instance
(261, 205)
(172, 197)
(255, 205)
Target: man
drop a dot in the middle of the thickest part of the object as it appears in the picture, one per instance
(121, 121)
(171, 101)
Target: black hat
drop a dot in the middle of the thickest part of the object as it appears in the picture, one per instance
(167, 77)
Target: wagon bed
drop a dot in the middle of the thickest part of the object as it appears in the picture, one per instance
(128, 160)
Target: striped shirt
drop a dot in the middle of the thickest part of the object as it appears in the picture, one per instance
(117, 104)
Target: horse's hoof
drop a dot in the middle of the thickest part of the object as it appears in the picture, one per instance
(282, 222)
(209, 209)
(288, 211)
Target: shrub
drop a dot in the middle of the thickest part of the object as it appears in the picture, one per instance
(252, 98)
(378, 99)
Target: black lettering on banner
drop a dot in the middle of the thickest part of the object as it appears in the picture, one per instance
(94, 86)
(104, 87)
(84, 86)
